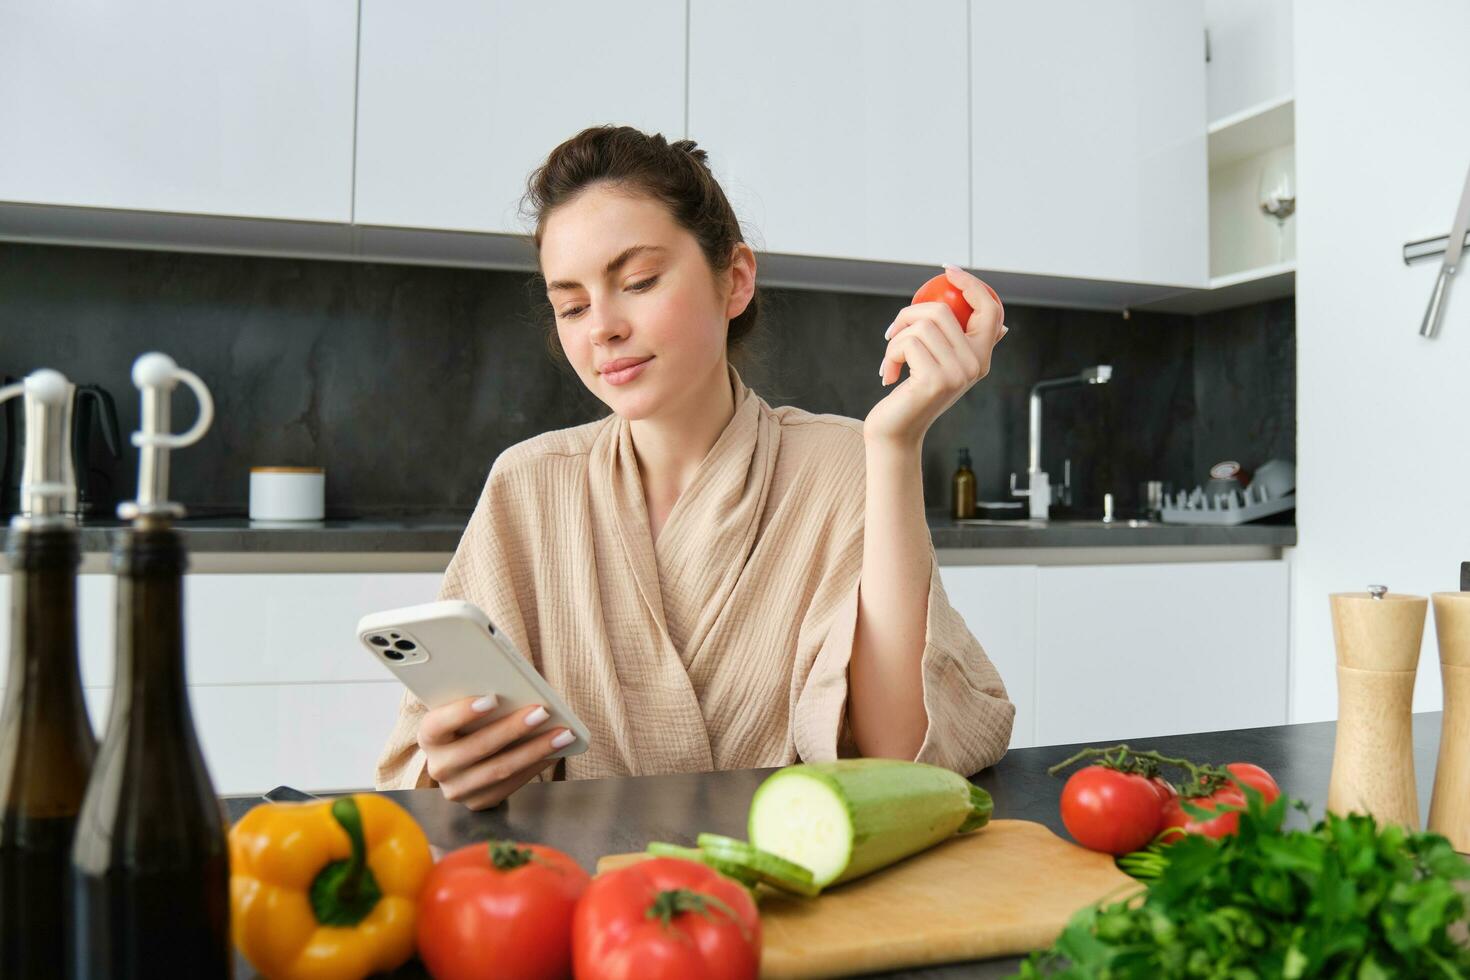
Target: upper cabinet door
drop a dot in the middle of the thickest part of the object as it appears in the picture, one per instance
(1088, 139)
(459, 100)
(837, 127)
(205, 107)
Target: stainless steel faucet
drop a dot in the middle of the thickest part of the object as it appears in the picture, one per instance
(1038, 487)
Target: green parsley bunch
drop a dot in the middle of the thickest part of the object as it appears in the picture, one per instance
(1347, 898)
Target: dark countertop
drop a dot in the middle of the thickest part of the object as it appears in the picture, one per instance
(593, 817)
(440, 533)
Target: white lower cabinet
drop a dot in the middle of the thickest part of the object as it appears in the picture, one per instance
(998, 603)
(282, 693)
(1138, 651)
(280, 689)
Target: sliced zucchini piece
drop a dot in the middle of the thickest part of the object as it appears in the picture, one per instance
(773, 870)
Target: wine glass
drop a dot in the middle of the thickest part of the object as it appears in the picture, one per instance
(1277, 196)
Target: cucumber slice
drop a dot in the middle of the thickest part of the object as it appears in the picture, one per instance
(773, 870)
(729, 869)
(848, 818)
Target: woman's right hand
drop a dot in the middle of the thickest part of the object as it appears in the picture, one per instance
(484, 767)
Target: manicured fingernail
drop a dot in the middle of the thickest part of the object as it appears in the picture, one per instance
(484, 704)
(563, 740)
(1004, 331)
(888, 334)
(536, 717)
(951, 267)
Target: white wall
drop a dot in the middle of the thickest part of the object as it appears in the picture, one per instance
(1250, 53)
(1383, 416)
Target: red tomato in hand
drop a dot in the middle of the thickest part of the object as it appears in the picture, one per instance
(1217, 826)
(1254, 776)
(1111, 811)
(941, 290)
(500, 910)
(666, 919)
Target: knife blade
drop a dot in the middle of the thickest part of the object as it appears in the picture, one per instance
(1454, 248)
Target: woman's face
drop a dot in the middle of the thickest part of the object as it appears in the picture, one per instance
(638, 312)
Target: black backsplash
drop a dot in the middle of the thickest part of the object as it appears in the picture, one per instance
(406, 381)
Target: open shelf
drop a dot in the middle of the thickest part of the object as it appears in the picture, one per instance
(1274, 271)
(1251, 131)
(1237, 289)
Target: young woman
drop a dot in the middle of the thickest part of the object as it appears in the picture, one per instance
(709, 582)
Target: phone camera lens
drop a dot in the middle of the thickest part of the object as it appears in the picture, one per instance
(392, 654)
(378, 641)
(405, 645)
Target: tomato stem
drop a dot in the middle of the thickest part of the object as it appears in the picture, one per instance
(1202, 779)
(505, 855)
(670, 902)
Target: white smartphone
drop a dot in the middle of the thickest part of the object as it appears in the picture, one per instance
(444, 651)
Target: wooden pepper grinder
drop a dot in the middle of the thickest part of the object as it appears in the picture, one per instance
(1449, 809)
(1378, 636)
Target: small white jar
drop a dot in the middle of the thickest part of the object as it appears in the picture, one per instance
(287, 493)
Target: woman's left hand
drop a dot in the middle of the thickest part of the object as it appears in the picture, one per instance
(945, 358)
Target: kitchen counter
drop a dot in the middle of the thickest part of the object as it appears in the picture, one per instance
(590, 818)
(424, 542)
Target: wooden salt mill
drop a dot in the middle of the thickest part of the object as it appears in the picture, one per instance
(1378, 636)
(1449, 809)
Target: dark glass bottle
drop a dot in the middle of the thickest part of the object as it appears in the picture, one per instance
(150, 866)
(46, 752)
(962, 488)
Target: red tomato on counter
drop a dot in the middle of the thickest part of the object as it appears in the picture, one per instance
(501, 910)
(1215, 826)
(666, 919)
(1111, 811)
(1254, 776)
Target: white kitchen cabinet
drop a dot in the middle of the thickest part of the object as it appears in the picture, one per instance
(459, 100)
(998, 603)
(310, 736)
(1250, 54)
(206, 108)
(1137, 651)
(837, 127)
(1088, 139)
(281, 690)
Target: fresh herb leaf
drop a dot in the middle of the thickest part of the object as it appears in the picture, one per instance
(1347, 899)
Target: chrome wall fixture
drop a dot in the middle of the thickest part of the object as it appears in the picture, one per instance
(1452, 247)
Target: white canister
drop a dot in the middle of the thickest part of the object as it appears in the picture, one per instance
(287, 493)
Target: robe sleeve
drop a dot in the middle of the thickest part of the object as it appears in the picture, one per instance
(480, 572)
(970, 715)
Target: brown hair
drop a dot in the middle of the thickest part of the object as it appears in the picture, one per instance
(676, 175)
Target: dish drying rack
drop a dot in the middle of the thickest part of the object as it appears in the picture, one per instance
(1232, 507)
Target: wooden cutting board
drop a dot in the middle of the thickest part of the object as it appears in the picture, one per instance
(1004, 890)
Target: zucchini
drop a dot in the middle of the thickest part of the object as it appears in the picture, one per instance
(775, 871)
(848, 818)
(729, 869)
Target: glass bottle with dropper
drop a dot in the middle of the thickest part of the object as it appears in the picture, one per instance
(46, 741)
(150, 865)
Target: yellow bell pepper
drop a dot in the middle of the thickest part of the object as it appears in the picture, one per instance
(329, 890)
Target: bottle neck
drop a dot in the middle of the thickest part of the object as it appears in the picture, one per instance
(43, 612)
(150, 623)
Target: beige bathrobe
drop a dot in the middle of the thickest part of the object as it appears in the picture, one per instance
(723, 645)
